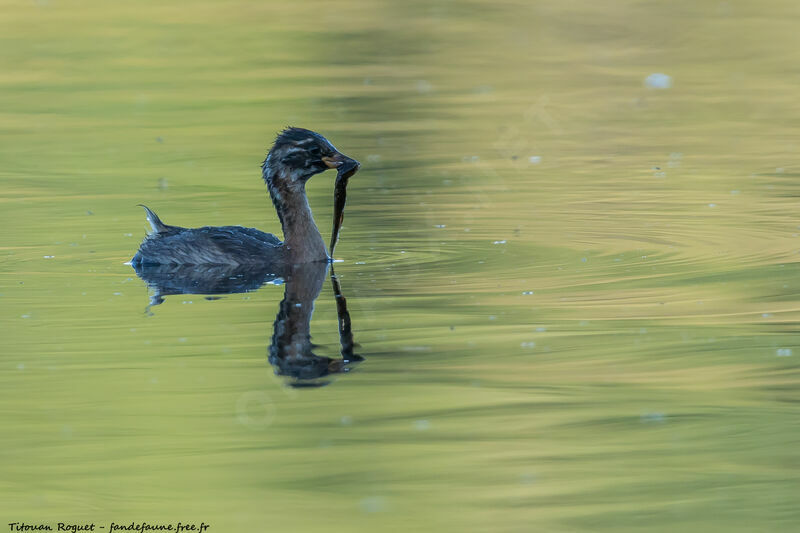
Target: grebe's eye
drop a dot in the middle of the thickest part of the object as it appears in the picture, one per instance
(315, 151)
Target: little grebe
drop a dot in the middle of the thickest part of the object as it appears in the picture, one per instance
(296, 155)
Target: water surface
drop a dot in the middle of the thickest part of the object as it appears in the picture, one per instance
(576, 295)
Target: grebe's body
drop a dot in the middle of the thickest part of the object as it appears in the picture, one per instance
(296, 156)
(212, 245)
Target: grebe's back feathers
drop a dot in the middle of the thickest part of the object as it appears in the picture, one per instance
(223, 245)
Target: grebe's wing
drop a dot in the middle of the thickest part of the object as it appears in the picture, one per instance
(266, 238)
(225, 245)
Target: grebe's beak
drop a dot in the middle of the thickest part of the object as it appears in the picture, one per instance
(346, 165)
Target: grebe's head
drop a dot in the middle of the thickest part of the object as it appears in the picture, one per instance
(298, 154)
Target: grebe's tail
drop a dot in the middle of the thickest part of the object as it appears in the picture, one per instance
(154, 221)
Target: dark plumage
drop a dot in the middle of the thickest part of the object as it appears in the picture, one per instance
(296, 156)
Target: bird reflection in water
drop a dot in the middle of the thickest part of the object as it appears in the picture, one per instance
(291, 350)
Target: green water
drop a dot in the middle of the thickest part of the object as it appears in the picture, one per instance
(577, 297)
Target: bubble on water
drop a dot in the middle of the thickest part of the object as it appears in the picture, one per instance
(499, 242)
(783, 352)
(712, 205)
(26, 315)
(440, 226)
(535, 159)
(49, 256)
(658, 80)
(182, 339)
(128, 234)
(541, 329)
(492, 317)
(652, 418)
(527, 293)
(373, 158)
(255, 409)
(346, 420)
(528, 345)
(424, 86)
(373, 504)
(416, 348)
(766, 315)
(21, 366)
(364, 262)
(421, 425)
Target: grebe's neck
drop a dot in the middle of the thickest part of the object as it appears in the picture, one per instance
(302, 241)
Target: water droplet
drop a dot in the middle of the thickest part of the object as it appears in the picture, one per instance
(424, 86)
(658, 80)
(373, 504)
(652, 418)
(421, 425)
(783, 352)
